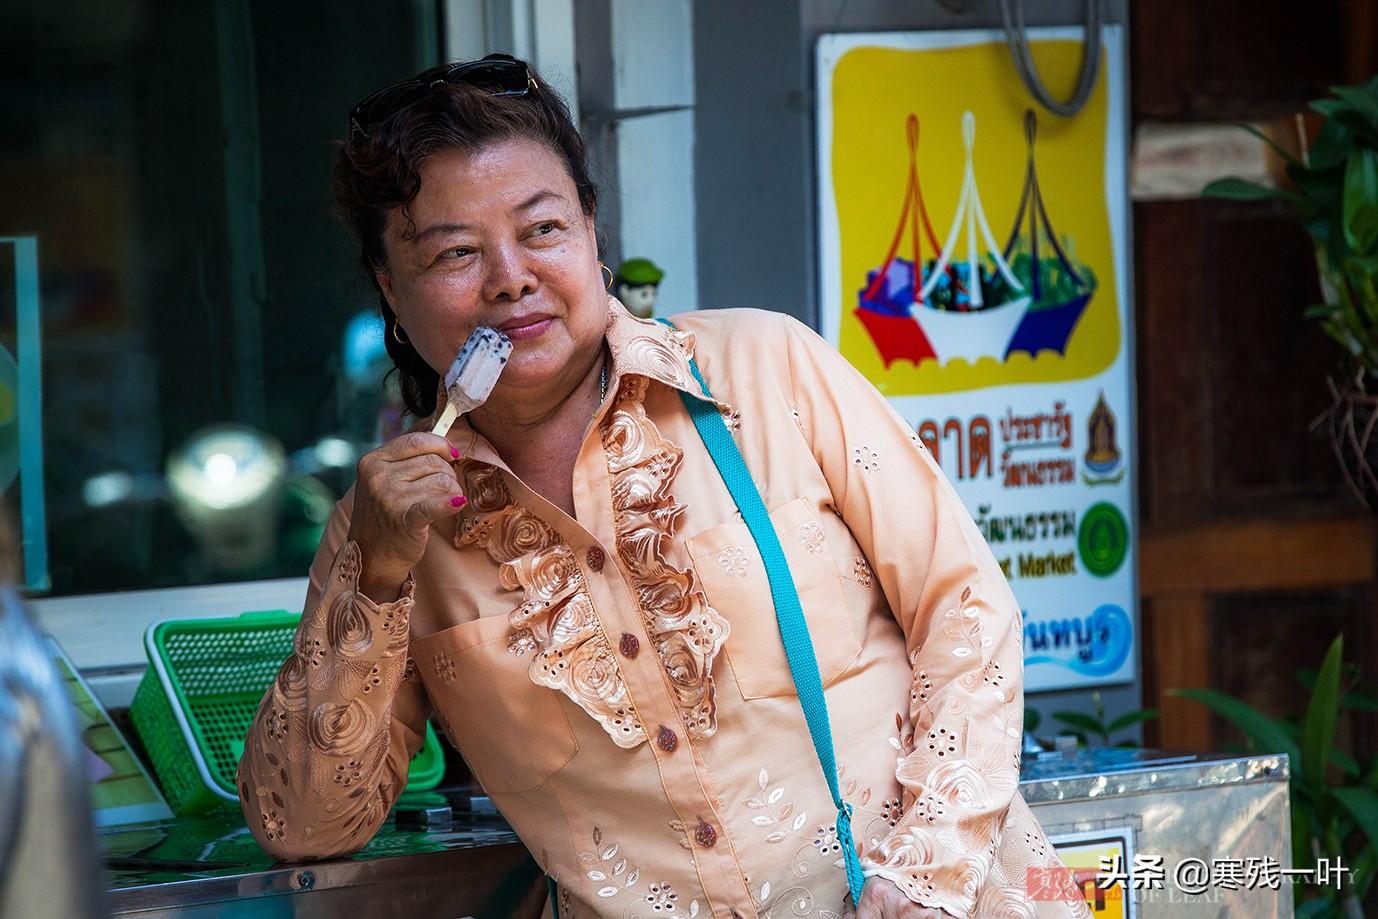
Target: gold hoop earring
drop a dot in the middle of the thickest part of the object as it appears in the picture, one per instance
(398, 338)
(611, 276)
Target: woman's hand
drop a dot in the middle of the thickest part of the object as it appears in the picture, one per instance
(402, 488)
(881, 899)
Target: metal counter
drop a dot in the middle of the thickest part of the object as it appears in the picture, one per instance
(1179, 808)
(212, 868)
(1170, 806)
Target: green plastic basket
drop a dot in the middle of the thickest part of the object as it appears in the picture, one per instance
(197, 699)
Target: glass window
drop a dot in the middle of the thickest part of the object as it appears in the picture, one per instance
(211, 364)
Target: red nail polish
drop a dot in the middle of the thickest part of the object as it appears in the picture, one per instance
(458, 501)
(454, 451)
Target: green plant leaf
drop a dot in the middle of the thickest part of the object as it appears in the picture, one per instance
(1361, 201)
(1332, 143)
(1360, 701)
(1236, 189)
(1364, 865)
(1032, 719)
(1315, 909)
(1129, 719)
(1347, 764)
(1285, 154)
(1358, 100)
(1080, 721)
(1362, 804)
(1267, 735)
(1318, 727)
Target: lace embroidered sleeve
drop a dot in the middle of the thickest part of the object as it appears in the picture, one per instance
(960, 620)
(327, 752)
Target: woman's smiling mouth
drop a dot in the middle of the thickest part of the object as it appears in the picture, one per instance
(525, 328)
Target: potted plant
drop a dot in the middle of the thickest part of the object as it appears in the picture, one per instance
(1334, 193)
(1334, 797)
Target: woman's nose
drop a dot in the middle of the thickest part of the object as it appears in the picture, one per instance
(509, 275)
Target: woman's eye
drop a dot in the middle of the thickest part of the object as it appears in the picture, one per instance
(456, 252)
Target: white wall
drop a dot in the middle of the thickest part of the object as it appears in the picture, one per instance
(539, 31)
(653, 65)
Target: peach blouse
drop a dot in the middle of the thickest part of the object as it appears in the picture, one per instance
(617, 682)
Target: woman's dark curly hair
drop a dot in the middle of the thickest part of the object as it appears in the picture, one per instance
(381, 171)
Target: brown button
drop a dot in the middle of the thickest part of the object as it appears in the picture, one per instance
(704, 834)
(629, 645)
(667, 740)
(595, 558)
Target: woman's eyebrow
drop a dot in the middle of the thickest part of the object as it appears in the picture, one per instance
(440, 229)
(537, 198)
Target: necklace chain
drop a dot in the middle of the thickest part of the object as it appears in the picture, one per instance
(603, 382)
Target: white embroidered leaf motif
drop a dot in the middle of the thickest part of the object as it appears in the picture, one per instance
(765, 891)
(693, 909)
(755, 803)
(633, 877)
(786, 810)
(777, 836)
(607, 892)
(597, 876)
(775, 796)
(799, 821)
(761, 821)
(763, 779)
(610, 853)
(865, 796)
(620, 867)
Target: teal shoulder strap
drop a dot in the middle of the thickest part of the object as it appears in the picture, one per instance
(794, 631)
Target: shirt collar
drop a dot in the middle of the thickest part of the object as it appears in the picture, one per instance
(652, 349)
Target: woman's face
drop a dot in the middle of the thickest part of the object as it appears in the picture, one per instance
(500, 240)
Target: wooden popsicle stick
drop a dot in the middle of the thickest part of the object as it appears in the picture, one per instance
(446, 420)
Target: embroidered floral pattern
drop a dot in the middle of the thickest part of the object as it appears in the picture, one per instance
(861, 571)
(733, 561)
(445, 667)
(813, 851)
(555, 621)
(613, 875)
(685, 631)
(811, 535)
(865, 458)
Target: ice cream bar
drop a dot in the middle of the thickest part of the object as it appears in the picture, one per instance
(473, 374)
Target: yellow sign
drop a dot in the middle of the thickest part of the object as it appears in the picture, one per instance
(974, 235)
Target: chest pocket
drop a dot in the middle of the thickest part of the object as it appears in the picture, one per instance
(733, 577)
(513, 734)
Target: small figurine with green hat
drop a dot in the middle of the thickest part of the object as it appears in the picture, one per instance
(636, 283)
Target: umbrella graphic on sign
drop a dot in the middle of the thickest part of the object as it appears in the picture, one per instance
(957, 308)
(1059, 289)
(987, 303)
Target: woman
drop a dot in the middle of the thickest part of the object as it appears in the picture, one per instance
(566, 585)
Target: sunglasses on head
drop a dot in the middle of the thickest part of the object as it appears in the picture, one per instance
(499, 74)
